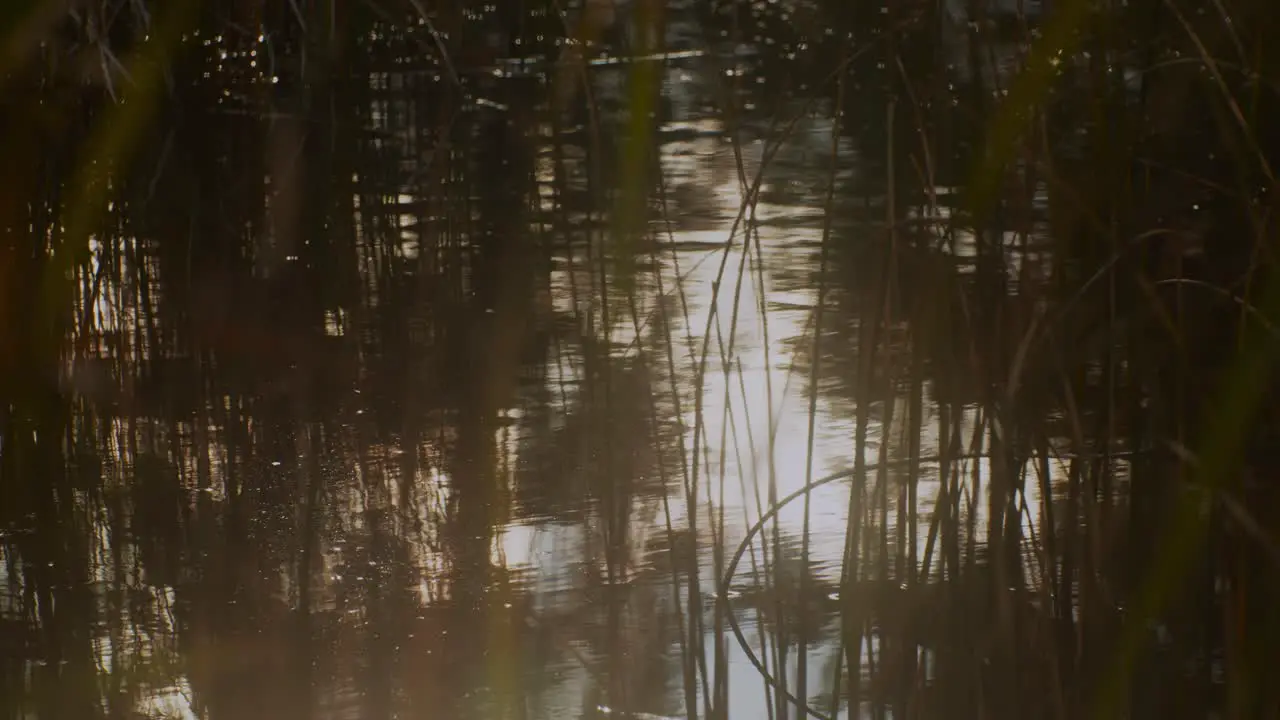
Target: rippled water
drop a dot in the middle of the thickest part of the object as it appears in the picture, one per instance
(416, 427)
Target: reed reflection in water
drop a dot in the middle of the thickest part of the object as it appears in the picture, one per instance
(476, 363)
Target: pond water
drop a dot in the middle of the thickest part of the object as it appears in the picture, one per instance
(451, 390)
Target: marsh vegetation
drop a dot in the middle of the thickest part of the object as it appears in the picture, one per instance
(535, 359)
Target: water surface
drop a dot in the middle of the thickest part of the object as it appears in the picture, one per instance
(399, 396)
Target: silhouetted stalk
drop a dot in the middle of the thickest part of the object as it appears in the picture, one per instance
(890, 685)
(802, 656)
(720, 702)
(688, 646)
(763, 569)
